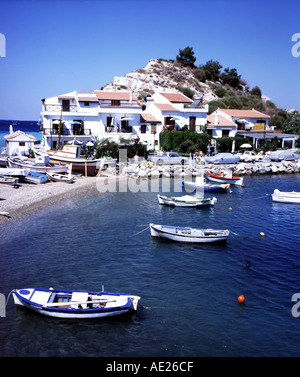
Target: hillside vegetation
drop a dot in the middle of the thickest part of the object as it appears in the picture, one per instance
(219, 87)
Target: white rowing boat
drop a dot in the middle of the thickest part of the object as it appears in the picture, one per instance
(187, 234)
(286, 197)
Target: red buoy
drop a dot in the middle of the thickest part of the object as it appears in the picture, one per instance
(241, 299)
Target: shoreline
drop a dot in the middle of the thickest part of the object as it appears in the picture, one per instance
(19, 202)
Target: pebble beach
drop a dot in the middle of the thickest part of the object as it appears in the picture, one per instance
(28, 197)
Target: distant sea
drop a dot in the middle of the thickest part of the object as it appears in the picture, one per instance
(27, 126)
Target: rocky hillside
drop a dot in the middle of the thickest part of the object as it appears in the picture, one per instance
(162, 75)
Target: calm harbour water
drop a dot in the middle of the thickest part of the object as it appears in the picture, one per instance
(189, 292)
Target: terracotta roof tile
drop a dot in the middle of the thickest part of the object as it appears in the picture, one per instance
(121, 96)
(88, 98)
(146, 117)
(244, 113)
(17, 133)
(176, 97)
(166, 107)
(221, 121)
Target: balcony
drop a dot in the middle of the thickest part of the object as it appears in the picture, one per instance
(118, 129)
(66, 132)
(58, 108)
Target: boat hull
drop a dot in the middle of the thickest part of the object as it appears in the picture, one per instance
(79, 165)
(9, 181)
(60, 178)
(43, 169)
(206, 187)
(188, 235)
(286, 197)
(215, 177)
(24, 299)
(192, 202)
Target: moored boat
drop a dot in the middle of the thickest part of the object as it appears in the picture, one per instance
(40, 165)
(5, 180)
(223, 178)
(14, 172)
(187, 234)
(36, 178)
(70, 154)
(60, 177)
(186, 201)
(73, 303)
(286, 197)
(200, 184)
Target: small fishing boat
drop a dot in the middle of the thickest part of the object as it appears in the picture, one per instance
(60, 178)
(74, 304)
(40, 165)
(223, 178)
(9, 180)
(186, 201)
(14, 172)
(187, 234)
(36, 178)
(286, 197)
(71, 154)
(200, 184)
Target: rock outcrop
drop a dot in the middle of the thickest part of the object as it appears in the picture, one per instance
(161, 76)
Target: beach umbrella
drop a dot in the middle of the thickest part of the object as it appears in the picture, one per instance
(89, 144)
(246, 145)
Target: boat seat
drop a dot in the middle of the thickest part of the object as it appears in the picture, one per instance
(79, 296)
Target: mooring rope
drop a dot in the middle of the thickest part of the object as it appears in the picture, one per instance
(135, 234)
(9, 296)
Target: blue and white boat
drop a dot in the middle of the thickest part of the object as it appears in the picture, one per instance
(74, 304)
(200, 184)
(186, 201)
(36, 178)
(187, 234)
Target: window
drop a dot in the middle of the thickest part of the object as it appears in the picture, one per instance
(143, 128)
(65, 105)
(22, 144)
(115, 102)
(225, 133)
(192, 124)
(153, 128)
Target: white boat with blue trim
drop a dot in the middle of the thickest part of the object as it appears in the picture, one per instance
(187, 234)
(286, 197)
(74, 304)
(186, 201)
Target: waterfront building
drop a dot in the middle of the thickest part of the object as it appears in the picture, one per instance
(117, 115)
(245, 120)
(18, 143)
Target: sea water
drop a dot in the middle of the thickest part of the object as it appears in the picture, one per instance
(188, 292)
(29, 127)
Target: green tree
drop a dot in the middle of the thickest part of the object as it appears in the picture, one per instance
(187, 91)
(292, 124)
(231, 77)
(186, 57)
(212, 70)
(255, 91)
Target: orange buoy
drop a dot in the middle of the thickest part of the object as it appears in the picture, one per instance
(241, 299)
(243, 185)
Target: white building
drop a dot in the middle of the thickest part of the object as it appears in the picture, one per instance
(219, 126)
(19, 143)
(246, 120)
(101, 114)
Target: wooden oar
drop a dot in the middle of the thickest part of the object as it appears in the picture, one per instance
(78, 302)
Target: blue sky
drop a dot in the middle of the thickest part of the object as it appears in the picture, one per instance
(55, 47)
